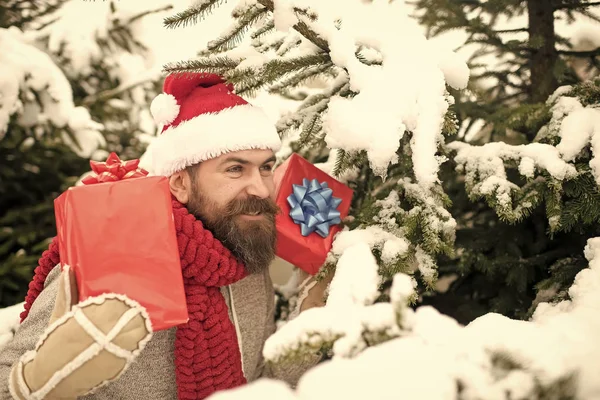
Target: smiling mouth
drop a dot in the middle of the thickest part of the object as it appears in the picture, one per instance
(254, 215)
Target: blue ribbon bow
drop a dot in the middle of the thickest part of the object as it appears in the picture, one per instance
(313, 207)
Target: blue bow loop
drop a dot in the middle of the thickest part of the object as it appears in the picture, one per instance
(335, 202)
(297, 214)
(299, 192)
(314, 186)
(314, 207)
(327, 194)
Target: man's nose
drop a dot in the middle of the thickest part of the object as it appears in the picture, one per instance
(258, 187)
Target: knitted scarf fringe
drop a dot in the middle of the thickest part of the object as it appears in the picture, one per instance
(207, 355)
(50, 258)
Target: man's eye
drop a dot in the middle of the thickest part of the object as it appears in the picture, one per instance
(267, 168)
(235, 169)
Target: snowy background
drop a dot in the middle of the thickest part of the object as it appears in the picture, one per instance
(494, 357)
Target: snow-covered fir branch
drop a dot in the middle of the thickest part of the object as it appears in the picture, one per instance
(555, 355)
(38, 93)
(383, 99)
(369, 101)
(351, 320)
(485, 172)
(562, 145)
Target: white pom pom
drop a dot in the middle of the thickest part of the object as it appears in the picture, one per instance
(164, 109)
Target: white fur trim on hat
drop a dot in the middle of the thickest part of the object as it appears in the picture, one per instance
(164, 109)
(207, 136)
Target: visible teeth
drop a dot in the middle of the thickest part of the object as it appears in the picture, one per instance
(254, 213)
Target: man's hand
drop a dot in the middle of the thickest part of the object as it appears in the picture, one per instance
(313, 292)
(86, 345)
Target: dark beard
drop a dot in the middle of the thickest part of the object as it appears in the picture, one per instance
(252, 242)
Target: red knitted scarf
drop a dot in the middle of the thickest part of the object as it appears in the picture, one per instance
(207, 355)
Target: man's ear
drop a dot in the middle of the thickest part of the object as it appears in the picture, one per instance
(181, 185)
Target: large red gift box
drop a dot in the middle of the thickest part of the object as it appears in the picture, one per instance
(312, 206)
(119, 236)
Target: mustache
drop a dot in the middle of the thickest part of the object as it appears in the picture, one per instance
(252, 205)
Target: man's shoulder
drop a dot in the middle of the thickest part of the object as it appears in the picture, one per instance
(53, 275)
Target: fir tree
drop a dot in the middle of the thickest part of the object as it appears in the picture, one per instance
(254, 55)
(532, 243)
(58, 109)
(532, 58)
(505, 226)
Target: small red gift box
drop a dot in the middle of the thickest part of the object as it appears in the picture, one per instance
(118, 236)
(312, 206)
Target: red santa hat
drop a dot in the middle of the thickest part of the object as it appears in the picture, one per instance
(202, 119)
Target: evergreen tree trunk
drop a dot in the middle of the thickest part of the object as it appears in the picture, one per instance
(544, 55)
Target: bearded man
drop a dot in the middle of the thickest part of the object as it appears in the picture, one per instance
(218, 152)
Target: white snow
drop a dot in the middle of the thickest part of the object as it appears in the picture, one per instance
(351, 129)
(74, 40)
(560, 92)
(344, 323)
(563, 106)
(373, 374)
(349, 317)
(580, 128)
(262, 389)
(373, 236)
(426, 265)
(576, 130)
(284, 16)
(392, 249)
(389, 99)
(433, 354)
(455, 69)
(9, 321)
(402, 289)
(356, 278)
(582, 33)
(485, 172)
(26, 69)
(440, 221)
(527, 167)
(392, 97)
(350, 247)
(488, 159)
(576, 126)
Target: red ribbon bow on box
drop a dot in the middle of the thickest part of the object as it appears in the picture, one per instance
(114, 170)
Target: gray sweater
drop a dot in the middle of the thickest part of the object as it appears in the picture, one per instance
(152, 375)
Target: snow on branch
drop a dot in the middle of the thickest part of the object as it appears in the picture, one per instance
(411, 212)
(73, 41)
(486, 176)
(574, 127)
(9, 322)
(578, 129)
(391, 86)
(350, 321)
(555, 355)
(36, 90)
(391, 98)
(113, 44)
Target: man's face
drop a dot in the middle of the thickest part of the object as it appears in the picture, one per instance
(233, 195)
